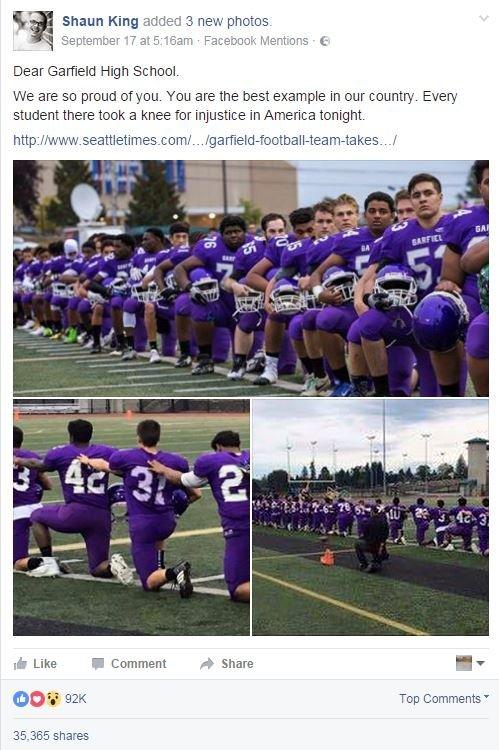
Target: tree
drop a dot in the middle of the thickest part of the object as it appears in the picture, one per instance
(470, 190)
(304, 473)
(461, 470)
(26, 176)
(154, 200)
(325, 474)
(422, 472)
(445, 471)
(251, 214)
(313, 474)
(67, 175)
(278, 481)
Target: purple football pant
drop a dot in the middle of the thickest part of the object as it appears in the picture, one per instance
(421, 529)
(361, 526)
(26, 299)
(237, 560)
(477, 338)
(463, 531)
(21, 539)
(145, 531)
(251, 321)
(395, 529)
(440, 535)
(335, 319)
(344, 523)
(483, 540)
(94, 524)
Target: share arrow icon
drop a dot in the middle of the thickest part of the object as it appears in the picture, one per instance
(208, 664)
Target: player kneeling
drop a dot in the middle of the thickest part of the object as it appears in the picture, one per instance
(227, 473)
(152, 504)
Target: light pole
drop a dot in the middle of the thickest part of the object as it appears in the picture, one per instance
(426, 436)
(404, 465)
(371, 438)
(335, 468)
(376, 452)
(288, 451)
(313, 443)
(442, 457)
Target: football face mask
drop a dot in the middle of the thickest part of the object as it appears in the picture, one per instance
(398, 284)
(337, 279)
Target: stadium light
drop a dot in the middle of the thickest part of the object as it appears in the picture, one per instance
(426, 436)
(288, 451)
(371, 438)
(335, 469)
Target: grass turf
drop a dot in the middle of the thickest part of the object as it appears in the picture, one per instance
(65, 370)
(418, 604)
(110, 605)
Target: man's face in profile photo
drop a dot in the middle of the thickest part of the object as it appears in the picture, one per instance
(36, 26)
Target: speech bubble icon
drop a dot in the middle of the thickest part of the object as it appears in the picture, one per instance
(97, 662)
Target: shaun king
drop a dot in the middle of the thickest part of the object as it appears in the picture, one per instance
(100, 21)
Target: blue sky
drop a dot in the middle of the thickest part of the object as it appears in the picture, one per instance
(346, 423)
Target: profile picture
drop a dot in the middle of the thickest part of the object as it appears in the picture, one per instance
(33, 30)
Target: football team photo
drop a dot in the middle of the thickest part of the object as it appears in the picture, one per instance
(251, 278)
(370, 518)
(131, 517)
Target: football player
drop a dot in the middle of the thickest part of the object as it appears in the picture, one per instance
(215, 255)
(481, 514)
(421, 515)
(396, 515)
(150, 500)
(403, 205)
(28, 487)
(476, 260)
(86, 507)
(227, 472)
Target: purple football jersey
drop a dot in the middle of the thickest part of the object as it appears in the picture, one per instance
(62, 265)
(80, 483)
(420, 513)
(93, 266)
(463, 516)
(481, 515)
(248, 255)
(354, 246)
(274, 248)
(146, 492)
(421, 249)
(25, 481)
(228, 477)
(468, 226)
(440, 517)
(114, 268)
(295, 256)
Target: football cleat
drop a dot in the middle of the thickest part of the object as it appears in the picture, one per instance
(184, 360)
(37, 331)
(154, 357)
(309, 386)
(120, 570)
(48, 569)
(57, 336)
(256, 363)
(238, 369)
(96, 349)
(268, 376)
(182, 579)
(28, 325)
(48, 332)
(204, 366)
(71, 336)
(128, 354)
(341, 389)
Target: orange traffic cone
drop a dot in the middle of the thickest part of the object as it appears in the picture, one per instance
(17, 415)
(327, 558)
(129, 414)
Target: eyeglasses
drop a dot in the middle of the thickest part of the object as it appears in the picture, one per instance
(35, 23)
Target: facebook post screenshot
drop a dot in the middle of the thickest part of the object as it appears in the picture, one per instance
(247, 375)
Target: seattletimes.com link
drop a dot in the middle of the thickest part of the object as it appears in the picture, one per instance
(211, 141)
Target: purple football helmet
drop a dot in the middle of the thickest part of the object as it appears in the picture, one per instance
(180, 502)
(205, 284)
(116, 494)
(286, 297)
(440, 321)
(398, 283)
(341, 280)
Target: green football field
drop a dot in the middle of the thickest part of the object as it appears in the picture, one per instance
(67, 370)
(78, 605)
(50, 368)
(420, 590)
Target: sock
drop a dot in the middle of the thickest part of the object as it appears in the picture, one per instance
(161, 558)
(318, 367)
(381, 387)
(46, 551)
(239, 361)
(341, 375)
(34, 562)
(96, 334)
(120, 338)
(272, 355)
(129, 342)
(204, 351)
(185, 348)
(153, 345)
(170, 574)
(450, 390)
(56, 326)
(307, 364)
